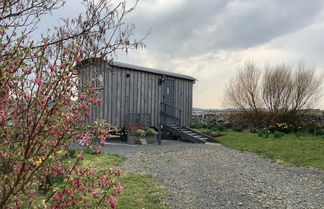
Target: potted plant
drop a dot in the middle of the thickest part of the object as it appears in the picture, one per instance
(150, 135)
(134, 134)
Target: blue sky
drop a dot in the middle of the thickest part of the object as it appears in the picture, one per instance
(210, 40)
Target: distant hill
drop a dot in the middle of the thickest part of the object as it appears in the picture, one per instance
(307, 111)
(196, 109)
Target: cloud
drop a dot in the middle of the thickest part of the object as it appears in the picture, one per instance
(188, 28)
(211, 39)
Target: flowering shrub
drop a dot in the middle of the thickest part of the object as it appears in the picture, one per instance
(281, 127)
(42, 104)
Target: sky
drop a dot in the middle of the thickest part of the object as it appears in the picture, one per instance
(211, 39)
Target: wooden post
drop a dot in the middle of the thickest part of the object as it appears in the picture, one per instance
(160, 134)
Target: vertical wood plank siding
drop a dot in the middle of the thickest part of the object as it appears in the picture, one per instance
(132, 91)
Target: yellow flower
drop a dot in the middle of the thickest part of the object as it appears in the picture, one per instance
(38, 162)
(61, 152)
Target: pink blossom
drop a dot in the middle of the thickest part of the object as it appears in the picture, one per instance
(78, 60)
(95, 193)
(112, 202)
(117, 172)
(52, 143)
(80, 157)
(36, 54)
(39, 81)
(85, 142)
(3, 155)
(14, 69)
(102, 141)
(83, 97)
(62, 66)
(118, 189)
(52, 68)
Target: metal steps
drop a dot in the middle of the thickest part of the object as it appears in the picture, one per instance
(188, 134)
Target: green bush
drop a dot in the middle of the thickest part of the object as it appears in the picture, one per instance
(278, 134)
(253, 130)
(316, 131)
(139, 133)
(214, 128)
(238, 128)
(150, 132)
(221, 127)
(227, 125)
(264, 133)
(210, 124)
(196, 124)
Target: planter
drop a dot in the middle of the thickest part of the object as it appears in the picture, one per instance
(131, 139)
(151, 139)
(140, 139)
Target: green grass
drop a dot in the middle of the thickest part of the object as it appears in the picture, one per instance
(300, 149)
(139, 191)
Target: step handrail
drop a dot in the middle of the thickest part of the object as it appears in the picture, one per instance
(164, 114)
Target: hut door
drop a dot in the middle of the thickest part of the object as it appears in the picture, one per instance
(168, 96)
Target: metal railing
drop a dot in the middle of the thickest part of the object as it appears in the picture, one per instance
(175, 117)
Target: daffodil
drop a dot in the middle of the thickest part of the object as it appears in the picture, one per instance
(38, 162)
(61, 152)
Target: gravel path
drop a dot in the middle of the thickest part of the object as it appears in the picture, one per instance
(213, 176)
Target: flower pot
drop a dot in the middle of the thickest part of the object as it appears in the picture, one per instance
(131, 139)
(151, 139)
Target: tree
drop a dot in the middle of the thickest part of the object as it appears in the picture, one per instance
(273, 91)
(41, 103)
(243, 91)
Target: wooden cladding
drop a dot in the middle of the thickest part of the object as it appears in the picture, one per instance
(127, 91)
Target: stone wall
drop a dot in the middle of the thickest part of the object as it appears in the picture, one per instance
(212, 116)
(218, 117)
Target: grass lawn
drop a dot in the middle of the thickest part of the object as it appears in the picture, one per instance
(301, 150)
(139, 191)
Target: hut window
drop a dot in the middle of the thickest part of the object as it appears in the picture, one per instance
(99, 80)
(168, 90)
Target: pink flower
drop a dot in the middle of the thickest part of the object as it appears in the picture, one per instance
(117, 172)
(82, 97)
(14, 69)
(62, 66)
(96, 101)
(95, 192)
(39, 81)
(118, 189)
(80, 157)
(112, 202)
(78, 60)
(52, 68)
(102, 141)
(36, 54)
(27, 71)
(3, 155)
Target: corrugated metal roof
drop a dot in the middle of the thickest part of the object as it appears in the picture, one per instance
(150, 70)
(91, 61)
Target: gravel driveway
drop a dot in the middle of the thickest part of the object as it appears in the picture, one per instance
(213, 176)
